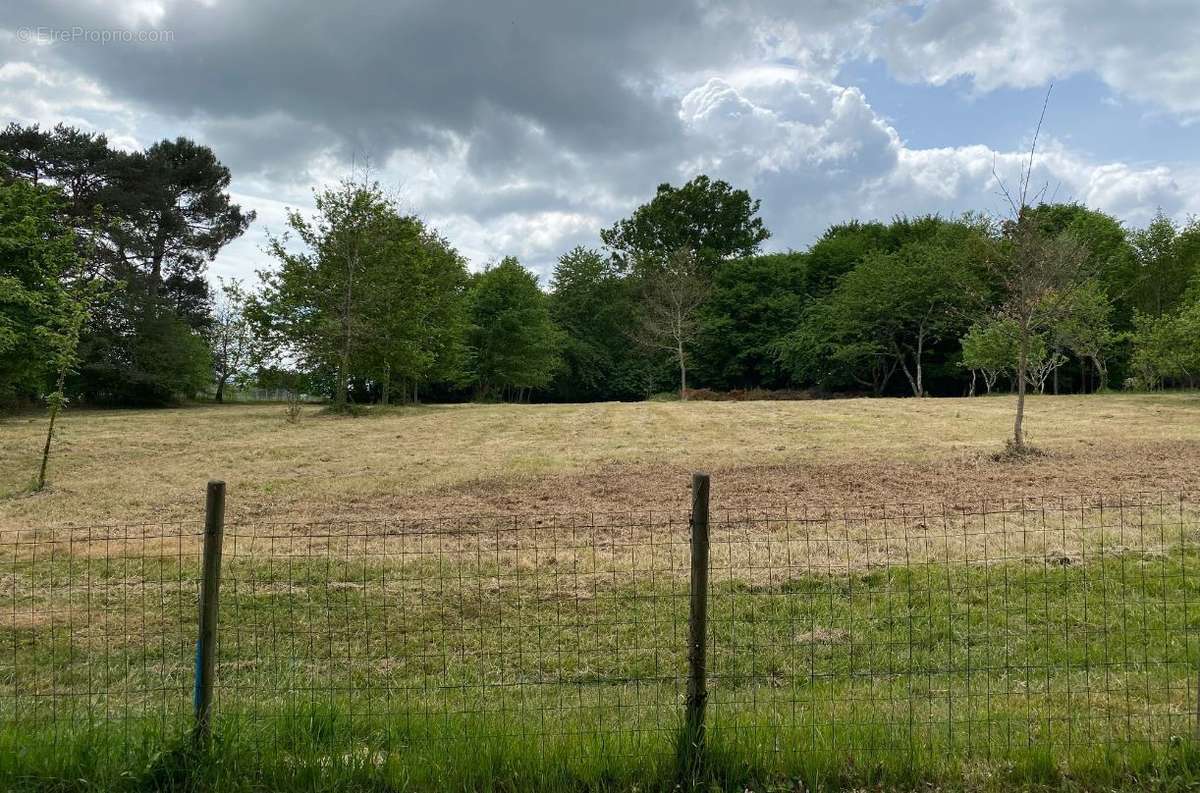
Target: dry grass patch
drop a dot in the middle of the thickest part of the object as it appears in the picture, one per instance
(147, 466)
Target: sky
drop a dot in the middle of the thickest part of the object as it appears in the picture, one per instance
(523, 127)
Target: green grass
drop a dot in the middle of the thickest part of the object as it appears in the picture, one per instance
(424, 675)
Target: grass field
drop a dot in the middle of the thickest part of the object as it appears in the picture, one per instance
(134, 466)
(375, 637)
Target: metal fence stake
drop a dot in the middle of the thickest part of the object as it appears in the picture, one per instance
(210, 584)
(697, 686)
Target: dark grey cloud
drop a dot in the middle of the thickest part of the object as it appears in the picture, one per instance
(524, 126)
(381, 76)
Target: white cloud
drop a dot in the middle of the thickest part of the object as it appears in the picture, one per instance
(1147, 51)
(550, 122)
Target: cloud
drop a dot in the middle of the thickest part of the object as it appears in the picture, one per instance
(522, 127)
(1149, 52)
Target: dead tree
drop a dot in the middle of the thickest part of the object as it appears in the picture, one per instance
(672, 292)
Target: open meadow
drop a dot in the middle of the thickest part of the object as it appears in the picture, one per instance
(497, 596)
(127, 466)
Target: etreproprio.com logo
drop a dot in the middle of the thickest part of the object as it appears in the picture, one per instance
(79, 34)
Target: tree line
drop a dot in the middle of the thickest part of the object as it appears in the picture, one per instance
(104, 296)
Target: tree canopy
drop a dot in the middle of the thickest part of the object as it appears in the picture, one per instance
(363, 302)
(513, 343)
(712, 219)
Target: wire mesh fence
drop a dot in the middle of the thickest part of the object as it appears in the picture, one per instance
(977, 630)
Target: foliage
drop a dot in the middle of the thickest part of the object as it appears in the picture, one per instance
(146, 224)
(370, 296)
(142, 353)
(371, 300)
(37, 256)
(889, 311)
(237, 348)
(990, 348)
(1166, 259)
(172, 213)
(513, 343)
(753, 302)
(1167, 348)
(413, 307)
(595, 306)
(1086, 328)
(710, 218)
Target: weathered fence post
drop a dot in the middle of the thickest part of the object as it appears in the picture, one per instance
(210, 584)
(697, 685)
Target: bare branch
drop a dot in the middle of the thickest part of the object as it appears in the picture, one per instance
(1028, 176)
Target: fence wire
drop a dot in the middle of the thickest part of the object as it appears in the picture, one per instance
(978, 630)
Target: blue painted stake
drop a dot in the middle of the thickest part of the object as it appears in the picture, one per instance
(210, 584)
(196, 675)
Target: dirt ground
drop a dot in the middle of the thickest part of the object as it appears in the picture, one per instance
(148, 466)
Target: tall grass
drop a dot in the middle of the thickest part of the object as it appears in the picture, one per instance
(377, 676)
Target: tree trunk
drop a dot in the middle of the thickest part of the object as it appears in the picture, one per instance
(1102, 370)
(913, 382)
(920, 352)
(1022, 370)
(682, 374)
(220, 396)
(344, 366)
(54, 406)
(385, 386)
(41, 483)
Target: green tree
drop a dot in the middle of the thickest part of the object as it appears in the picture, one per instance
(753, 303)
(413, 307)
(1165, 261)
(37, 256)
(371, 296)
(145, 355)
(712, 219)
(146, 224)
(173, 212)
(513, 344)
(595, 307)
(820, 352)
(313, 305)
(1085, 328)
(894, 307)
(237, 349)
(989, 348)
(900, 304)
(1167, 348)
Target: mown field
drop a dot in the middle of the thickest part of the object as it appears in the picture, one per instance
(495, 597)
(134, 466)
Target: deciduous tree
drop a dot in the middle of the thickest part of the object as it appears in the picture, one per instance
(513, 343)
(237, 349)
(672, 293)
(712, 219)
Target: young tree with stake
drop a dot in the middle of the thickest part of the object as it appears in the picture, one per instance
(1037, 275)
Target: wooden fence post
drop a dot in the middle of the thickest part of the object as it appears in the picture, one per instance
(210, 584)
(697, 685)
